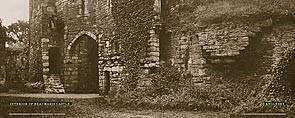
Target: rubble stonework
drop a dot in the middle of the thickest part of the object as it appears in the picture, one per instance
(53, 85)
(61, 24)
(82, 34)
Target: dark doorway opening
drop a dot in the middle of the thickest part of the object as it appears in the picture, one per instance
(107, 82)
(87, 66)
(165, 44)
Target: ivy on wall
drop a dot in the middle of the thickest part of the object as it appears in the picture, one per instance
(133, 20)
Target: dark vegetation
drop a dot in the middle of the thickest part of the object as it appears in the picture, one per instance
(15, 58)
(3, 36)
(133, 21)
(173, 90)
(3, 88)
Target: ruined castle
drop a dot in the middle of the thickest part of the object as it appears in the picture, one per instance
(70, 45)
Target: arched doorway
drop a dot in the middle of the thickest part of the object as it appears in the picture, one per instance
(85, 50)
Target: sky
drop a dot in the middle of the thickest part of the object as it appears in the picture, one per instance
(13, 10)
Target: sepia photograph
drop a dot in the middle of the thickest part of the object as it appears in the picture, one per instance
(147, 58)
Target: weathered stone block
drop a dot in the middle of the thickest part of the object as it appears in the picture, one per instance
(44, 40)
(156, 54)
(45, 57)
(45, 64)
(45, 70)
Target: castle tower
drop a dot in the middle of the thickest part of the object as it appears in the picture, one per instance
(44, 50)
(41, 28)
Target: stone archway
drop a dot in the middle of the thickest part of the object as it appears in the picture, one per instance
(90, 34)
(84, 54)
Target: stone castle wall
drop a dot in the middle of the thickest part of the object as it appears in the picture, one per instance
(186, 52)
(95, 20)
(61, 23)
(35, 56)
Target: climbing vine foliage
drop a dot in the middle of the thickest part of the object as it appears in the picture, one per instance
(133, 19)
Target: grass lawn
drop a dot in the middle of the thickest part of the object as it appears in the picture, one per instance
(93, 108)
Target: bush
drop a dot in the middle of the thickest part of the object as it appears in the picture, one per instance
(35, 87)
(3, 88)
(205, 98)
(166, 80)
(27, 87)
(173, 90)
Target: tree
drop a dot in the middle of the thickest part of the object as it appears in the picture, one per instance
(2, 32)
(19, 31)
(17, 51)
(18, 34)
(3, 38)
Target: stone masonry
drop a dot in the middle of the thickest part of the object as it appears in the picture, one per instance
(63, 23)
(71, 44)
